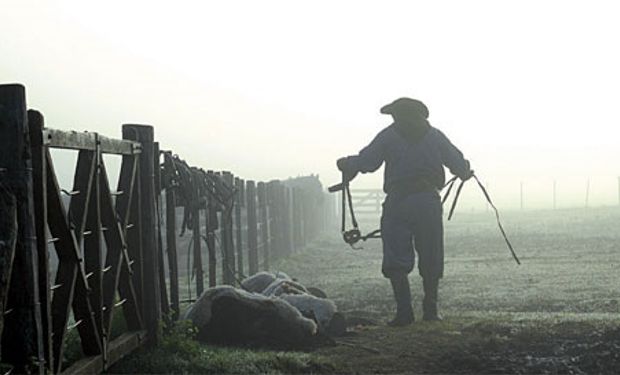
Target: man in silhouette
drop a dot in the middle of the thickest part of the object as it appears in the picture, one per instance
(414, 153)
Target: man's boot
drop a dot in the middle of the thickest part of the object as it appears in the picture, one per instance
(429, 305)
(402, 294)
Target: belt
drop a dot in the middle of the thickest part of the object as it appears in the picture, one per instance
(404, 189)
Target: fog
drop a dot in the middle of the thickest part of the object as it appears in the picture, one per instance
(527, 90)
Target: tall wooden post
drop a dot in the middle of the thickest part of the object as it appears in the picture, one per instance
(36, 123)
(171, 241)
(277, 218)
(273, 220)
(252, 228)
(22, 336)
(239, 203)
(165, 306)
(228, 263)
(197, 240)
(307, 219)
(150, 259)
(8, 240)
(264, 218)
(297, 216)
(212, 225)
(288, 219)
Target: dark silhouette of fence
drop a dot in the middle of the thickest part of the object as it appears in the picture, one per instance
(120, 250)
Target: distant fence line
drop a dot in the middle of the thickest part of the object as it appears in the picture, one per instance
(119, 248)
(524, 195)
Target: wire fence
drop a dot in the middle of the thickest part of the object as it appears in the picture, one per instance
(516, 194)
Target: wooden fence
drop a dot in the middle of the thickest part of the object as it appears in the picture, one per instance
(367, 201)
(77, 262)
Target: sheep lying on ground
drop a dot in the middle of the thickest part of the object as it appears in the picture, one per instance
(274, 310)
(226, 315)
(260, 281)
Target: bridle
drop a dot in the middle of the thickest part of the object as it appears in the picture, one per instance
(354, 235)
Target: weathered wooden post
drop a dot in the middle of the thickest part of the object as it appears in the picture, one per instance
(276, 227)
(212, 225)
(150, 261)
(8, 240)
(239, 203)
(171, 241)
(22, 336)
(306, 218)
(228, 263)
(196, 237)
(296, 216)
(39, 173)
(165, 306)
(132, 222)
(287, 196)
(252, 228)
(269, 201)
(264, 218)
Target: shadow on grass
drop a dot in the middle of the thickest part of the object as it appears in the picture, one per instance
(180, 353)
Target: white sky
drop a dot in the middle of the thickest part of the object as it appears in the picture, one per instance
(529, 90)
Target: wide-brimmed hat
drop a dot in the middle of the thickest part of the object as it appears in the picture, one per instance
(405, 106)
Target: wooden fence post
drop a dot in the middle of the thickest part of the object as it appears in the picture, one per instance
(212, 225)
(228, 263)
(150, 259)
(8, 240)
(252, 228)
(297, 215)
(305, 214)
(264, 218)
(171, 240)
(288, 219)
(276, 228)
(36, 123)
(165, 306)
(239, 203)
(22, 336)
(197, 238)
(269, 201)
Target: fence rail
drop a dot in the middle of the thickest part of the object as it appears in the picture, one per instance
(121, 249)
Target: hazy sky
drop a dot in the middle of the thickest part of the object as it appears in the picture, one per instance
(529, 90)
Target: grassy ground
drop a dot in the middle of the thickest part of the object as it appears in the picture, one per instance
(557, 313)
(180, 354)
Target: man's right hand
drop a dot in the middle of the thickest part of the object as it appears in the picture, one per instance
(342, 164)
